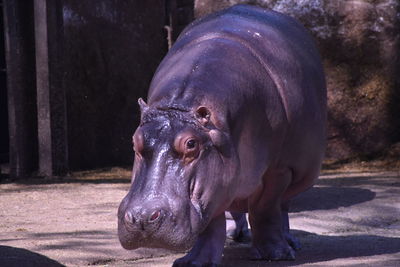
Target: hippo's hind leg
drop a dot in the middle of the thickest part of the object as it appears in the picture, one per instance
(265, 216)
(291, 239)
(209, 246)
(237, 227)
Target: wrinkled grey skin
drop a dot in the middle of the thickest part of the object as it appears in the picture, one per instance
(235, 121)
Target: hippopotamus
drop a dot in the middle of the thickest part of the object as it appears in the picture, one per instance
(234, 121)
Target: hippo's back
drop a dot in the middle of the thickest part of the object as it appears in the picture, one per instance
(282, 47)
(244, 58)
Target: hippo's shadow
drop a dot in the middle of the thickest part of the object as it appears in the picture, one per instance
(17, 257)
(321, 248)
(326, 198)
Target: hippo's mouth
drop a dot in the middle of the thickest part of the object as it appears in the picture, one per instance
(195, 199)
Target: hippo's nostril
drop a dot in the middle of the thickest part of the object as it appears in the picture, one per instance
(129, 217)
(154, 216)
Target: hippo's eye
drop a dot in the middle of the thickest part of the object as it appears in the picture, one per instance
(187, 145)
(191, 144)
(190, 149)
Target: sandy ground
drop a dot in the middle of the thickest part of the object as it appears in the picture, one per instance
(350, 218)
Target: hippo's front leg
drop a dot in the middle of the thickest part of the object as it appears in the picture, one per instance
(209, 246)
(265, 216)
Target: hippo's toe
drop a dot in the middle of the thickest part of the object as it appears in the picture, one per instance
(184, 263)
(272, 253)
(293, 241)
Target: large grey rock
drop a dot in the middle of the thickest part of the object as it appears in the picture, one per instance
(359, 42)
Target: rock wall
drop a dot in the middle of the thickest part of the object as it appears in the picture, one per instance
(360, 44)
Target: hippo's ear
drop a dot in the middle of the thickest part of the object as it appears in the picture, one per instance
(143, 106)
(203, 115)
(218, 137)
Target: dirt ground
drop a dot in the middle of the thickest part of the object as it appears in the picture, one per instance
(350, 218)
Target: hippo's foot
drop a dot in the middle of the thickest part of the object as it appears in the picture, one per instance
(208, 248)
(270, 241)
(293, 241)
(237, 227)
(240, 236)
(272, 252)
(183, 263)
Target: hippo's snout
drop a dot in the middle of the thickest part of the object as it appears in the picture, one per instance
(153, 223)
(140, 221)
(145, 217)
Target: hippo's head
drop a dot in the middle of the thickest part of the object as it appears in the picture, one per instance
(182, 166)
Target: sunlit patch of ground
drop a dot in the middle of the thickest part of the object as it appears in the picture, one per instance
(350, 217)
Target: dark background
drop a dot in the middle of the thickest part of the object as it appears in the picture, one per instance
(71, 74)
(3, 97)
